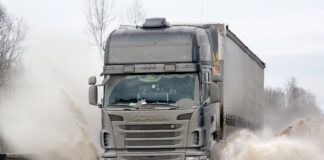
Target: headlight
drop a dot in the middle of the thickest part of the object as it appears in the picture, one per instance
(192, 158)
(196, 158)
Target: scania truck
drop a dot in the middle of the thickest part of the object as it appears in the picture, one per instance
(173, 92)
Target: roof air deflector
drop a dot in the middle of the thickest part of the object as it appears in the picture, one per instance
(155, 23)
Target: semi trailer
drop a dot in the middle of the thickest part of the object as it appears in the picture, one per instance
(173, 92)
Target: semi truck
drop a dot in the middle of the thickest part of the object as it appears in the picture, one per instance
(174, 92)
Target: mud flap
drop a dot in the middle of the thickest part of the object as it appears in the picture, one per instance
(2, 156)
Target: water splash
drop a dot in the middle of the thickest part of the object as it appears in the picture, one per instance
(46, 113)
(302, 140)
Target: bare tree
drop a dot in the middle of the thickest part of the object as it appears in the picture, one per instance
(136, 13)
(299, 101)
(12, 33)
(99, 18)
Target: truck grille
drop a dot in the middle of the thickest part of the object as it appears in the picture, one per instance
(152, 136)
(151, 127)
(171, 157)
(151, 150)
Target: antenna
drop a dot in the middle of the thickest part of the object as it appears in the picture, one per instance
(202, 11)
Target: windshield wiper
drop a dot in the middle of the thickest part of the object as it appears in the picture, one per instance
(170, 105)
(117, 105)
(142, 103)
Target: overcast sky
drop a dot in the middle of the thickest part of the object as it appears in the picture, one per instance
(288, 35)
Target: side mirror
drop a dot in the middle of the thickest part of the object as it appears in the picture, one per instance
(92, 80)
(214, 93)
(93, 91)
(93, 95)
(217, 78)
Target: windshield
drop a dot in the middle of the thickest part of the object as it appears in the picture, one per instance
(153, 88)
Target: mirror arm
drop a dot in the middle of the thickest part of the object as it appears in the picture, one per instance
(215, 93)
(206, 102)
(105, 80)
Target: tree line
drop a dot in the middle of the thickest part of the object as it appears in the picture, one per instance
(284, 105)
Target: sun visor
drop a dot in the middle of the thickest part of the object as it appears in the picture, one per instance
(156, 46)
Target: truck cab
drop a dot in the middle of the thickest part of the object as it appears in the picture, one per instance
(164, 92)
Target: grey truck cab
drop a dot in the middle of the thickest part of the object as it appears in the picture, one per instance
(174, 92)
